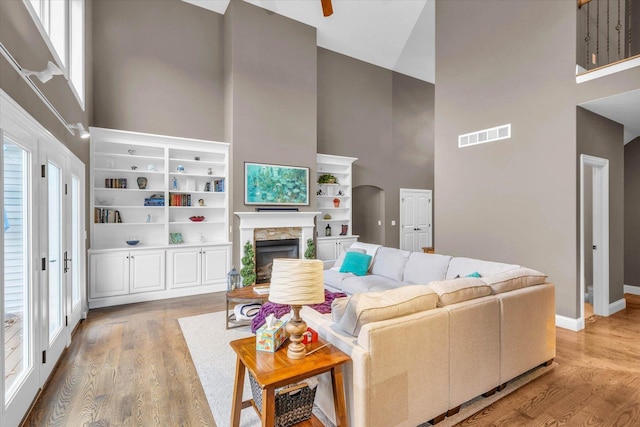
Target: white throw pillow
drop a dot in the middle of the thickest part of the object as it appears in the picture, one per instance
(390, 263)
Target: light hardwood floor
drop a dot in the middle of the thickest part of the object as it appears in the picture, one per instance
(129, 365)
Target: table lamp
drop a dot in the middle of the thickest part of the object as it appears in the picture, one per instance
(296, 282)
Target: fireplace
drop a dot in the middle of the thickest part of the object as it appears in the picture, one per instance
(268, 250)
(276, 225)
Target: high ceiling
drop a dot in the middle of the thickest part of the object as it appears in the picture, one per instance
(398, 35)
(623, 108)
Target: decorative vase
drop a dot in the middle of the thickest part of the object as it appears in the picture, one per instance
(336, 203)
(142, 182)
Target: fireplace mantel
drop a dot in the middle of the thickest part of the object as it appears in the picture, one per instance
(249, 221)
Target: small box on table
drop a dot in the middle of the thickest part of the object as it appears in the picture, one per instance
(270, 339)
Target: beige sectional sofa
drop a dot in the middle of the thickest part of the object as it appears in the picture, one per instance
(426, 339)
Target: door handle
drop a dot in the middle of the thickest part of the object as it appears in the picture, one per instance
(53, 260)
(67, 261)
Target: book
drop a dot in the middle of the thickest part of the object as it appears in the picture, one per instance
(261, 290)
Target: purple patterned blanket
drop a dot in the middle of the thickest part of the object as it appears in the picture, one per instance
(280, 310)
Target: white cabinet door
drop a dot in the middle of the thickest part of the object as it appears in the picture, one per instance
(326, 249)
(215, 264)
(109, 274)
(147, 271)
(343, 244)
(185, 266)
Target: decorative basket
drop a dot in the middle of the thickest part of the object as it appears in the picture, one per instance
(294, 403)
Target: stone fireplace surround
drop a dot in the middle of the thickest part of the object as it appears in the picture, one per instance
(274, 225)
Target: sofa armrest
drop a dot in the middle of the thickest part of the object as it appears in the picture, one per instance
(405, 366)
(527, 329)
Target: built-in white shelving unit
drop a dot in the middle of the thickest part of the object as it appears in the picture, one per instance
(168, 193)
(334, 200)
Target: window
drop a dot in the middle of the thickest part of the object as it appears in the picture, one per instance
(61, 23)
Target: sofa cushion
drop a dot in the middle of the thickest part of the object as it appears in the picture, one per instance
(356, 263)
(390, 263)
(336, 265)
(457, 290)
(513, 279)
(334, 278)
(460, 266)
(370, 248)
(353, 312)
(423, 268)
(368, 283)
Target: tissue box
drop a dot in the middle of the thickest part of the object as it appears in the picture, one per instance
(271, 339)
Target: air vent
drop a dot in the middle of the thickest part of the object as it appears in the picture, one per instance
(486, 135)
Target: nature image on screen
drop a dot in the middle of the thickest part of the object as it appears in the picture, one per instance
(276, 185)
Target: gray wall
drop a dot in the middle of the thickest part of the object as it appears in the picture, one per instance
(385, 119)
(512, 200)
(368, 203)
(251, 78)
(19, 34)
(601, 137)
(272, 110)
(632, 212)
(158, 68)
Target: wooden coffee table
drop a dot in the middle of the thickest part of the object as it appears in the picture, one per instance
(273, 370)
(244, 295)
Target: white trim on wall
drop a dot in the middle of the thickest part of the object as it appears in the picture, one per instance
(631, 289)
(569, 323)
(607, 70)
(617, 306)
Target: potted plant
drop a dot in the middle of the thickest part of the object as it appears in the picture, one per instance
(327, 178)
(248, 271)
(310, 253)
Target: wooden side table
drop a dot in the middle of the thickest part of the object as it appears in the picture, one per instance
(428, 249)
(274, 370)
(244, 295)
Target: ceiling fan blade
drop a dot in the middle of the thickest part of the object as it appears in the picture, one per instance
(327, 9)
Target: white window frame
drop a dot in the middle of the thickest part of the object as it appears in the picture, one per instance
(76, 77)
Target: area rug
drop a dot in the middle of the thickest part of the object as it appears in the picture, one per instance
(215, 362)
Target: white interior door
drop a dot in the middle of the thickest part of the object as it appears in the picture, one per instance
(73, 266)
(33, 287)
(52, 243)
(20, 373)
(415, 219)
(600, 169)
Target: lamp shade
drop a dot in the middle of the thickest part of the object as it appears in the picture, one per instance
(296, 281)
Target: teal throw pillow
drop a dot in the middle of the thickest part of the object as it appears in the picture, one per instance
(356, 263)
(474, 274)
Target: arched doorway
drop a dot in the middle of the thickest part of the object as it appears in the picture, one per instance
(369, 214)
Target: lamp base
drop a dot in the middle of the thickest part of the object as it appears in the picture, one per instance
(296, 327)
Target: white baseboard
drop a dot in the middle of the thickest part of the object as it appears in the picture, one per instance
(569, 323)
(617, 306)
(578, 324)
(630, 289)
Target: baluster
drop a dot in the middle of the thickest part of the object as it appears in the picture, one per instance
(597, 58)
(629, 28)
(608, 32)
(587, 39)
(618, 28)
